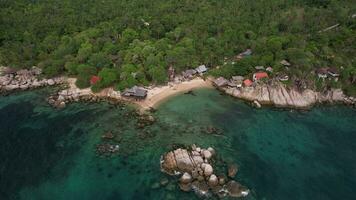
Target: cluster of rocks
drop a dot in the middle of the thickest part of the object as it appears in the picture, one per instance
(62, 98)
(197, 173)
(11, 80)
(350, 101)
(211, 130)
(108, 147)
(145, 119)
(279, 95)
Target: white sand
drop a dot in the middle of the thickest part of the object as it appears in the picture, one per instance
(155, 95)
(158, 94)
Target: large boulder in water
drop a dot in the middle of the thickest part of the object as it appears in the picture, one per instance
(186, 178)
(184, 161)
(213, 180)
(179, 160)
(208, 170)
(207, 154)
(168, 163)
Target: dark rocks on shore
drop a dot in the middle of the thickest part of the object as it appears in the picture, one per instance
(197, 173)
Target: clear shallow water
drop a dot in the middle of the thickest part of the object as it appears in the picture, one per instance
(50, 154)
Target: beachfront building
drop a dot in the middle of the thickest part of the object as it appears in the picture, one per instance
(285, 63)
(237, 81)
(248, 52)
(334, 72)
(189, 73)
(269, 69)
(221, 82)
(259, 75)
(260, 68)
(201, 69)
(135, 92)
(322, 72)
(283, 77)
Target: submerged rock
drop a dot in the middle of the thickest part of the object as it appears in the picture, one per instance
(106, 149)
(155, 186)
(108, 135)
(232, 170)
(186, 187)
(235, 189)
(164, 181)
(201, 188)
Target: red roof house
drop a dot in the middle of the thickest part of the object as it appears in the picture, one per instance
(259, 75)
(94, 79)
(247, 82)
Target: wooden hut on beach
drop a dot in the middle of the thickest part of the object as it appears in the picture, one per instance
(135, 92)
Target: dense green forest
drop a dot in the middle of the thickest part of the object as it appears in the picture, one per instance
(128, 42)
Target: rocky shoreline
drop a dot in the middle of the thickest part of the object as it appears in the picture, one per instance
(195, 168)
(63, 97)
(279, 95)
(274, 93)
(25, 79)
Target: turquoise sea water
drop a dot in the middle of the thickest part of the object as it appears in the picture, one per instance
(50, 154)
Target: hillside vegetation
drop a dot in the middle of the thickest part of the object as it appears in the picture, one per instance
(128, 42)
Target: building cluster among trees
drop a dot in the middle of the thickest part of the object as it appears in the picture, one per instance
(126, 43)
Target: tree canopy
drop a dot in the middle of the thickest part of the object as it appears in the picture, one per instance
(134, 42)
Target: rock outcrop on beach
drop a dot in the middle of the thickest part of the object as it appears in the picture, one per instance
(279, 95)
(197, 173)
(12, 80)
(61, 98)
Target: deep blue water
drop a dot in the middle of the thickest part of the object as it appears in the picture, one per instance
(283, 154)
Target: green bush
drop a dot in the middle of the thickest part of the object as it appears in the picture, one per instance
(350, 90)
(82, 82)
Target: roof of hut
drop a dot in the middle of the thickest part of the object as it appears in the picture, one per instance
(220, 82)
(135, 91)
(201, 69)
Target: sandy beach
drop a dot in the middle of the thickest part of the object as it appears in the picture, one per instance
(155, 94)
